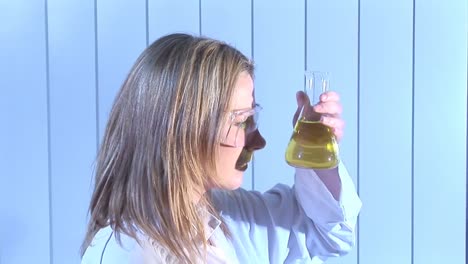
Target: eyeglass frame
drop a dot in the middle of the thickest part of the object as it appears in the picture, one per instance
(245, 114)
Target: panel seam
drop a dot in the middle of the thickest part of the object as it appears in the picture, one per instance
(200, 17)
(358, 148)
(147, 21)
(466, 168)
(96, 73)
(252, 28)
(305, 38)
(412, 130)
(49, 144)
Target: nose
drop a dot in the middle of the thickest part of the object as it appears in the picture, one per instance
(254, 141)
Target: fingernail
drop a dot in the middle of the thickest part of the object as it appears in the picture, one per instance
(299, 98)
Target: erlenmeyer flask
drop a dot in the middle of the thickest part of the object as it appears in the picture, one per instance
(313, 144)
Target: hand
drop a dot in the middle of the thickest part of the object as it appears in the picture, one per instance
(329, 107)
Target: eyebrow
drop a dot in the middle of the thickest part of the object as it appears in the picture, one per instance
(254, 104)
(240, 111)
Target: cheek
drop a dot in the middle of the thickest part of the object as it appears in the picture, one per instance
(228, 177)
(227, 158)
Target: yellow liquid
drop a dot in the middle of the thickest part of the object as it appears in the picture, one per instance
(312, 145)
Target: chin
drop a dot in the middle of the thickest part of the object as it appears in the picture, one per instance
(235, 181)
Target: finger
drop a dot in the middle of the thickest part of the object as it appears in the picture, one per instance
(296, 115)
(333, 122)
(329, 96)
(338, 134)
(302, 99)
(330, 107)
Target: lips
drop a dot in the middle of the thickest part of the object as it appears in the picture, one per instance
(243, 160)
(242, 167)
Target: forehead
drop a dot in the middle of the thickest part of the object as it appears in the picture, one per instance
(243, 92)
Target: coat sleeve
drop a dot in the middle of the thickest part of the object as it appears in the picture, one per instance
(287, 224)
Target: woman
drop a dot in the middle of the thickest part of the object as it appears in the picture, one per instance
(180, 135)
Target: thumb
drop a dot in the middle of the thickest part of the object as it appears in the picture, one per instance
(301, 99)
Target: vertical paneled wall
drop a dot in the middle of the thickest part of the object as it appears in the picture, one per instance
(24, 135)
(279, 49)
(399, 66)
(72, 122)
(440, 94)
(332, 45)
(120, 38)
(385, 130)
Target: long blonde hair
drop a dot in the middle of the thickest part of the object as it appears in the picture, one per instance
(161, 143)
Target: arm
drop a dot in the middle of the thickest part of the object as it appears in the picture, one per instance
(331, 179)
(337, 207)
(298, 223)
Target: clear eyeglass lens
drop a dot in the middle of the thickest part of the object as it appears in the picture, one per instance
(246, 121)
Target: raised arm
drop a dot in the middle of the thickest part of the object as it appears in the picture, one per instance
(298, 223)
